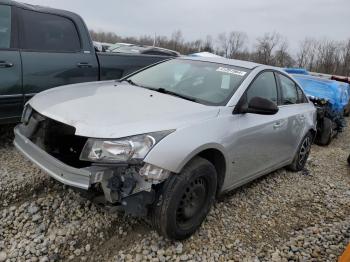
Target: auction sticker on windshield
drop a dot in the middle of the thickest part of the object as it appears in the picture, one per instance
(231, 71)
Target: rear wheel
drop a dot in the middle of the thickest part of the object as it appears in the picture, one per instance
(347, 110)
(325, 135)
(349, 159)
(302, 154)
(185, 200)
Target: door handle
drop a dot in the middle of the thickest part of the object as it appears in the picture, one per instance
(84, 65)
(4, 64)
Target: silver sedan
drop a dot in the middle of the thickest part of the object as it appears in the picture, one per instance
(164, 142)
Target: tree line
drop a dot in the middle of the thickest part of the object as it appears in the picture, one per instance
(316, 55)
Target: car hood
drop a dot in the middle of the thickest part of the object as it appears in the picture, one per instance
(112, 109)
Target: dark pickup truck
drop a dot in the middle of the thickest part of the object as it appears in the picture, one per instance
(41, 48)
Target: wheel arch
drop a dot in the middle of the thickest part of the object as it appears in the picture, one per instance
(216, 157)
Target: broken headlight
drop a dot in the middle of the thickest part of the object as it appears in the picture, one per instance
(134, 148)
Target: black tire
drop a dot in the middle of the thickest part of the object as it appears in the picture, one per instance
(302, 154)
(185, 200)
(347, 110)
(349, 159)
(325, 136)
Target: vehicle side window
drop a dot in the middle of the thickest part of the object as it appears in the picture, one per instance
(289, 91)
(264, 86)
(5, 26)
(301, 96)
(46, 32)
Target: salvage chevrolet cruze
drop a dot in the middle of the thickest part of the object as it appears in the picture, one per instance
(164, 142)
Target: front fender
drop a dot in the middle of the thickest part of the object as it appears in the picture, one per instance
(177, 149)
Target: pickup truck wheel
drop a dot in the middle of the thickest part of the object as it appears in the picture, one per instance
(324, 138)
(185, 200)
(302, 154)
(349, 159)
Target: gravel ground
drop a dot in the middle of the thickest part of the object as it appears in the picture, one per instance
(281, 217)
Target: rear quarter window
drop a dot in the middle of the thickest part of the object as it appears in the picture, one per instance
(47, 32)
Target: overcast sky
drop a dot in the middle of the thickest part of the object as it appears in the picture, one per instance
(295, 19)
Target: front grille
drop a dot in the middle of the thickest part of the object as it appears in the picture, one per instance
(57, 139)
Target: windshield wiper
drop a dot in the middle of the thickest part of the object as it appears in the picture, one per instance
(162, 90)
(131, 82)
(165, 91)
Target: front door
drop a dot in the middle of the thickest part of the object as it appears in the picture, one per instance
(52, 53)
(11, 96)
(259, 144)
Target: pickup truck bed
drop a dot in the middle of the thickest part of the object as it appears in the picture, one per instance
(42, 48)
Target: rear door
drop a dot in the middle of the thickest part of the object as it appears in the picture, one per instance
(11, 96)
(52, 53)
(293, 106)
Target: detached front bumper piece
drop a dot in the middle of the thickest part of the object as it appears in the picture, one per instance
(65, 174)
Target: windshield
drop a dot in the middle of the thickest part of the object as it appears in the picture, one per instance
(205, 82)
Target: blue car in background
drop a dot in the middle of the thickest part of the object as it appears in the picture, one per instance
(330, 98)
(335, 92)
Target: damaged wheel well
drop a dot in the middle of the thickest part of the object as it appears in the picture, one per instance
(215, 157)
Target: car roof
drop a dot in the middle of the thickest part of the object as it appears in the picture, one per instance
(225, 61)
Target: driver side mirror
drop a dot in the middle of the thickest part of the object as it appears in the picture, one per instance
(258, 105)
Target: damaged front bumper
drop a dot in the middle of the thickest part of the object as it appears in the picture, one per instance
(117, 185)
(80, 178)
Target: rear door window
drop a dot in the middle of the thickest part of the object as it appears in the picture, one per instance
(264, 86)
(47, 32)
(289, 90)
(5, 26)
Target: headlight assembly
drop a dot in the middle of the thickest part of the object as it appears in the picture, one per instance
(123, 150)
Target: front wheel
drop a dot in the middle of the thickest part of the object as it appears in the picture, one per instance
(185, 200)
(302, 154)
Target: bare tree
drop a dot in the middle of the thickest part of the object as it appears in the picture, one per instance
(318, 55)
(197, 45)
(177, 40)
(282, 58)
(101, 36)
(208, 44)
(265, 47)
(224, 44)
(327, 56)
(345, 59)
(306, 57)
(162, 41)
(237, 41)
